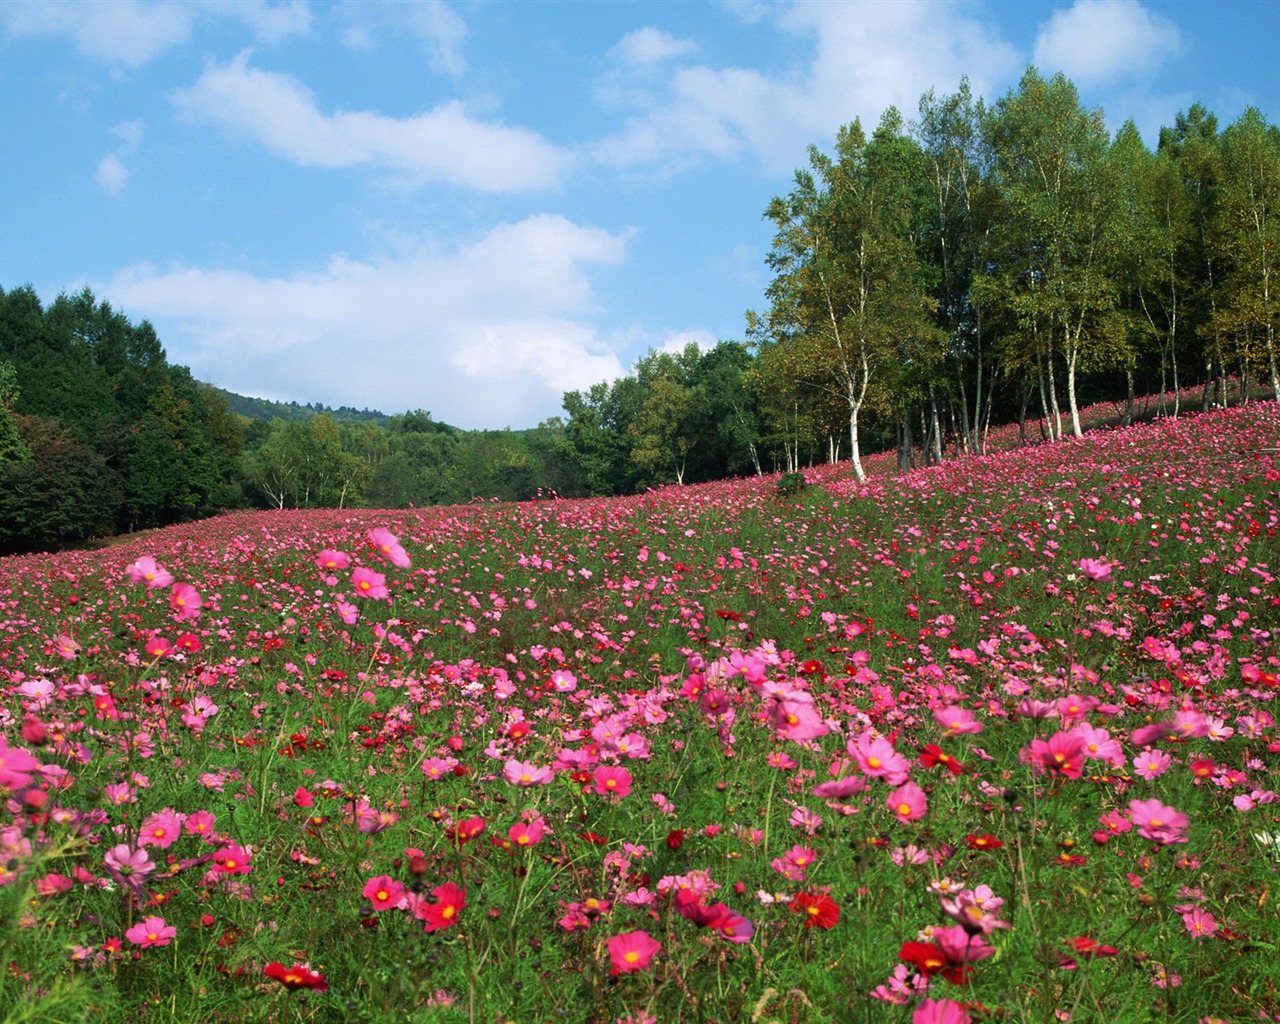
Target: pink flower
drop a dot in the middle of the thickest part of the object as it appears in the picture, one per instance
(878, 760)
(961, 947)
(1100, 745)
(611, 781)
(389, 547)
(1151, 763)
(907, 802)
(1200, 923)
(521, 773)
(232, 860)
(526, 834)
(632, 951)
(147, 570)
(347, 612)
(957, 720)
(151, 932)
(161, 829)
(369, 583)
(329, 559)
(199, 824)
(185, 601)
(1156, 822)
(383, 891)
(940, 1011)
(797, 720)
(1095, 569)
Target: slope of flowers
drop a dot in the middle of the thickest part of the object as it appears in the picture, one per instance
(993, 739)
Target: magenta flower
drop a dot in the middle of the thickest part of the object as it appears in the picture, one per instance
(232, 860)
(16, 765)
(151, 932)
(383, 891)
(526, 833)
(161, 829)
(200, 824)
(1200, 923)
(1061, 754)
(632, 951)
(611, 781)
(369, 583)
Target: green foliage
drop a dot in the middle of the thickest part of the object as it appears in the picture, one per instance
(789, 484)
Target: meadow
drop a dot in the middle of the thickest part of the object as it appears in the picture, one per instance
(986, 741)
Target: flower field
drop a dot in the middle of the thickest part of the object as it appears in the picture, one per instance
(994, 740)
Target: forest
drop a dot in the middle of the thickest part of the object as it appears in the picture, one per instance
(974, 265)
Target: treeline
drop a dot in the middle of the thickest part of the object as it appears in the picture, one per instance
(955, 271)
(99, 433)
(978, 265)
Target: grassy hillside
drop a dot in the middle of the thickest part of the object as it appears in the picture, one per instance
(991, 740)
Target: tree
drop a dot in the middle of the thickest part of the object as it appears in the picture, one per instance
(960, 211)
(1250, 230)
(1059, 202)
(847, 298)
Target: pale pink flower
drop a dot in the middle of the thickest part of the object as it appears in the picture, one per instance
(147, 570)
(389, 547)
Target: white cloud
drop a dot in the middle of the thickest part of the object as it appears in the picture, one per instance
(651, 45)
(440, 30)
(676, 343)
(444, 144)
(132, 32)
(1098, 42)
(128, 32)
(111, 175)
(490, 335)
(867, 56)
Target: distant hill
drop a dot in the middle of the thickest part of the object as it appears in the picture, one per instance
(264, 410)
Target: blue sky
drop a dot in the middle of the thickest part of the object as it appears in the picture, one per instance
(473, 207)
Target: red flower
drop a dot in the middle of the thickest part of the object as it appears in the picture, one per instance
(466, 830)
(931, 754)
(925, 957)
(297, 976)
(819, 911)
(675, 838)
(982, 842)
